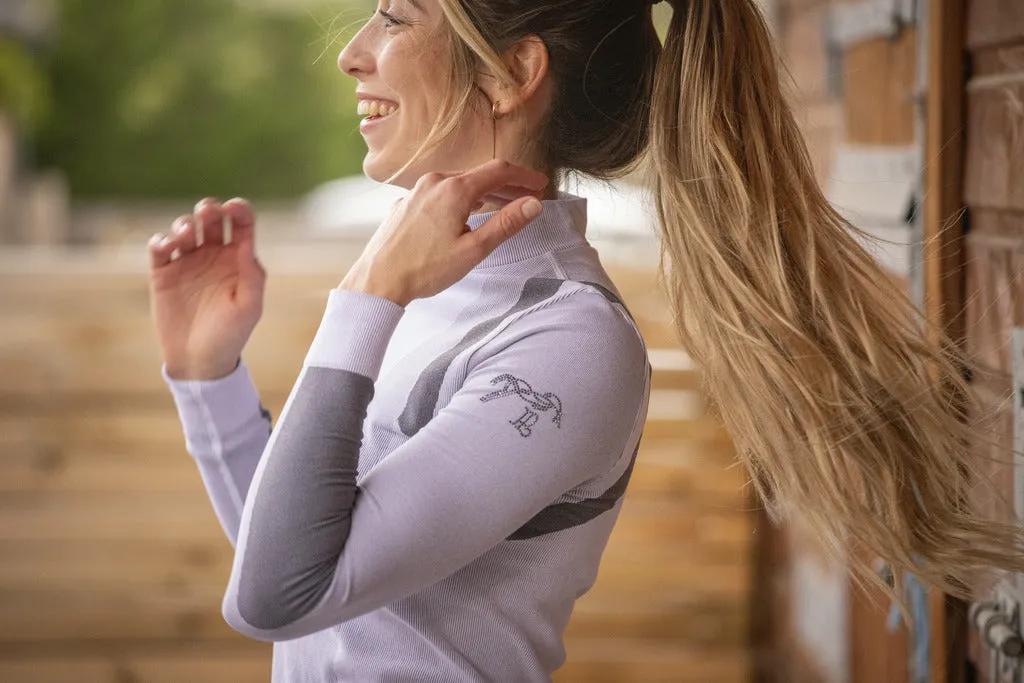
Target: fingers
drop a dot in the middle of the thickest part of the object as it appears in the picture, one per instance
(503, 196)
(239, 222)
(500, 175)
(505, 223)
(211, 223)
(160, 248)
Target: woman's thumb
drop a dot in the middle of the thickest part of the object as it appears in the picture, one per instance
(512, 218)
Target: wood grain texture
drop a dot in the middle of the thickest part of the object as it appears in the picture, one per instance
(879, 79)
(993, 174)
(994, 22)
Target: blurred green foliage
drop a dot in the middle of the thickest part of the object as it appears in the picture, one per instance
(24, 88)
(166, 98)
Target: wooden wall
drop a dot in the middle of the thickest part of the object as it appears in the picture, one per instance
(112, 564)
(993, 191)
(820, 628)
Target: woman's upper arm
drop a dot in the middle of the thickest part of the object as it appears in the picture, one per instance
(545, 412)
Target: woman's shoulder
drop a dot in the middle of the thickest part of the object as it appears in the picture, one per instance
(586, 321)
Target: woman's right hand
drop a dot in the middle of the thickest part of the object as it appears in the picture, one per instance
(206, 296)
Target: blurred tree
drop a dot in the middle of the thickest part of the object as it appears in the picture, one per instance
(206, 97)
(24, 91)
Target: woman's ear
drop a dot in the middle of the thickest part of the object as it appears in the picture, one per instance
(527, 63)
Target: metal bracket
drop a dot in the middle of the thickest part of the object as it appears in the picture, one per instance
(999, 622)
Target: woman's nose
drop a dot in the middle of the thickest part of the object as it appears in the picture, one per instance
(354, 58)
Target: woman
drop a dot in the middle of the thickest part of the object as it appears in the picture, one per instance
(443, 478)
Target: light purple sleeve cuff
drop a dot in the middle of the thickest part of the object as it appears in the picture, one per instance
(225, 405)
(354, 332)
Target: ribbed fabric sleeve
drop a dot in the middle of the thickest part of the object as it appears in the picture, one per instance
(225, 431)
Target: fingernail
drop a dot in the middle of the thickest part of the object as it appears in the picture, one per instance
(179, 226)
(199, 231)
(531, 209)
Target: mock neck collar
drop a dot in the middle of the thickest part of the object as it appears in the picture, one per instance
(561, 224)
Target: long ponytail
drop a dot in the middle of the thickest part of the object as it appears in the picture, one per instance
(818, 363)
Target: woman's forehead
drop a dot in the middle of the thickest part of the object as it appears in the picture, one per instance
(421, 6)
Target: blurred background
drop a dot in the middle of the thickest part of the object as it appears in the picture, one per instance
(116, 116)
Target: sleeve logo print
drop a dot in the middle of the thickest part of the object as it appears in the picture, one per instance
(538, 402)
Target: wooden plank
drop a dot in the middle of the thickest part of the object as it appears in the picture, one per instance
(943, 248)
(143, 566)
(802, 43)
(994, 170)
(703, 430)
(989, 278)
(39, 468)
(879, 659)
(175, 517)
(645, 522)
(125, 615)
(42, 355)
(673, 573)
(993, 22)
(46, 670)
(243, 668)
(879, 82)
(608, 660)
(822, 126)
(195, 665)
(710, 481)
(697, 622)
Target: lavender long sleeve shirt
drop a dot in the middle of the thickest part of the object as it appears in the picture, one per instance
(443, 479)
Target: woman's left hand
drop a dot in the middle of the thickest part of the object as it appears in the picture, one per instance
(425, 246)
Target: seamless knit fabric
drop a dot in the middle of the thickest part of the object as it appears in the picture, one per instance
(443, 479)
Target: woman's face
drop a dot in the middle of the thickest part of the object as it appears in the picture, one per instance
(398, 60)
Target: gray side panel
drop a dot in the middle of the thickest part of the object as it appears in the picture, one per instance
(566, 515)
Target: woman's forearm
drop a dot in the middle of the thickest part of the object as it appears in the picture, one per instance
(226, 430)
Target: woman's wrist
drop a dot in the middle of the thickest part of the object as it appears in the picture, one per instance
(360, 280)
(201, 373)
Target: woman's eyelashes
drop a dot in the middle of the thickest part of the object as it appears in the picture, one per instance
(389, 20)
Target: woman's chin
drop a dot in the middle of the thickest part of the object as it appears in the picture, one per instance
(374, 169)
(380, 171)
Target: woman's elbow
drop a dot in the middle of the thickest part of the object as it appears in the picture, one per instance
(266, 614)
(249, 622)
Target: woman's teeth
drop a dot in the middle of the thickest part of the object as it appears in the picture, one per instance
(374, 108)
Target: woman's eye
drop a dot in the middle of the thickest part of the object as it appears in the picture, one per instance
(389, 21)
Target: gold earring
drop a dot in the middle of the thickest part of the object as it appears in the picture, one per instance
(494, 126)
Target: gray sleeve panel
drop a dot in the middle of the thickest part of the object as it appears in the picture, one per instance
(301, 519)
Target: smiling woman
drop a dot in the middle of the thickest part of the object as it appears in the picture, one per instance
(446, 472)
(402, 58)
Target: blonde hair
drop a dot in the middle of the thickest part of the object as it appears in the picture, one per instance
(849, 409)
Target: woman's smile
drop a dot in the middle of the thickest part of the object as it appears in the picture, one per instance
(371, 122)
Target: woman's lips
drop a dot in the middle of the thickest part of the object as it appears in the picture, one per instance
(368, 124)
